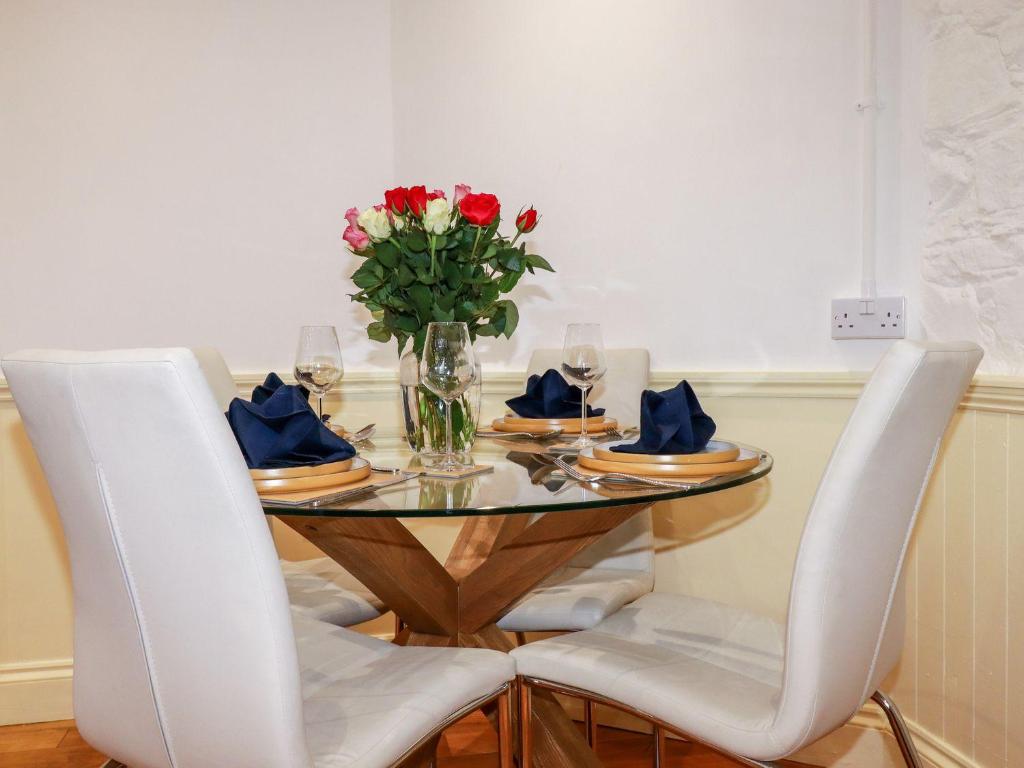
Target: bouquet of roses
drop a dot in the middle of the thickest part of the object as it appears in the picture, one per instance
(427, 259)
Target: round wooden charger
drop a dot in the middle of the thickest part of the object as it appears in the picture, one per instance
(717, 452)
(522, 422)
(569, 426)
(360, 471)
(307, 471)
(747, 460)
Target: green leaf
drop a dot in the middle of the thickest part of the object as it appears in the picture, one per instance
(407, 323)
(441, 316)
(452, 275)
(378, 332)
(416, 240)
(539, 262)
(406, 276)
(424, 276)
(489, 293)
(422, 299)
(486, 330)
(419, 340)
(419, 260)
(508, 281)
(510, 258)
(447, 301)
(387, 254)
(498, 321)
(511, 318)
(369, 275)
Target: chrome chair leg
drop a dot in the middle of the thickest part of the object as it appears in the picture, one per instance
(525, 724)
(899, 729)
(659, 746)
(505, 729)
(590, 723)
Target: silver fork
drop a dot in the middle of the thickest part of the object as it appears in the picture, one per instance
(621, 477)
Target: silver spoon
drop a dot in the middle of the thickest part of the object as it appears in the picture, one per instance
(363, 434)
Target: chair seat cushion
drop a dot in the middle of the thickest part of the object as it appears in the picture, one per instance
(366, 701)
(321, 589)
(710, 670)
(576, 598)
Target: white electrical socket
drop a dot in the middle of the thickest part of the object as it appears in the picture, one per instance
(882, 318)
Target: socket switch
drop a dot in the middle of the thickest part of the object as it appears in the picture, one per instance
(881, 318)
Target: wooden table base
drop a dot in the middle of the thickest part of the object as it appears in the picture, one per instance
(495, 560)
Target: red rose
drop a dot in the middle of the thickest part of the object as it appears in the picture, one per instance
(395, 199)
(527, 220)
(479, 209)
(437, 194)
(417, 200)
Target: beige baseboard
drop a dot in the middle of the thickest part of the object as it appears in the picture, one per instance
(35, 692)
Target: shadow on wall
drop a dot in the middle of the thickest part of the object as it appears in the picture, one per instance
(701, 517)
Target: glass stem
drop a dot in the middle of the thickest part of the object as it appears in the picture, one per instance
(450, 454)
(583, 415)
(320, 406)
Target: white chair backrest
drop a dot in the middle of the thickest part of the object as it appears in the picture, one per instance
(845, 621)
(184, 651)
(218, 376)
(631, 545)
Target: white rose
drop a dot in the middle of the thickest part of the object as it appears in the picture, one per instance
(376, 224)
(437, 216)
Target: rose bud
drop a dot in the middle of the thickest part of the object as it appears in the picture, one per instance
(527, 220)
(417, 199)
(355, 237)
(461, 190)
(395, 199)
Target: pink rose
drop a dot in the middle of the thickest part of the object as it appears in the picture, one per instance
(352, 216)
(437, 194)
(355, 237)
(461, 190)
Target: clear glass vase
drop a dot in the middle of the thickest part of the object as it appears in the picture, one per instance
(423, 413)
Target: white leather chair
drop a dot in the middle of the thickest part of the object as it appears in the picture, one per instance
(186, 651)
(620, 567)
(744, 684)
(318, 588)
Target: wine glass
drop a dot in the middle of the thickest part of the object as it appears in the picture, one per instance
(583, 363)
(447, 369)
(318, 365)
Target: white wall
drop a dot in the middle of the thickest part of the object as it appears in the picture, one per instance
(176, 172)
(973, 257)
(697, 164)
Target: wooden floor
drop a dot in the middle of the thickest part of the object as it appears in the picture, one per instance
(469, 744)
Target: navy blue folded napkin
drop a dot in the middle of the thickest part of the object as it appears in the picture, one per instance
(279, 429)
(270, 385)
(550, 397)
(671, 422)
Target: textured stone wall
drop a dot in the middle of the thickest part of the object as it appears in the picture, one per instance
(973, 260)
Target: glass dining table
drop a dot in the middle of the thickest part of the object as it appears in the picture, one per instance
(504, 549)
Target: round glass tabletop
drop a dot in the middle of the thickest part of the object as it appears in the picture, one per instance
(519, 483)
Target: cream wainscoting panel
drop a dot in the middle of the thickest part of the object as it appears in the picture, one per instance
(961, 679)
